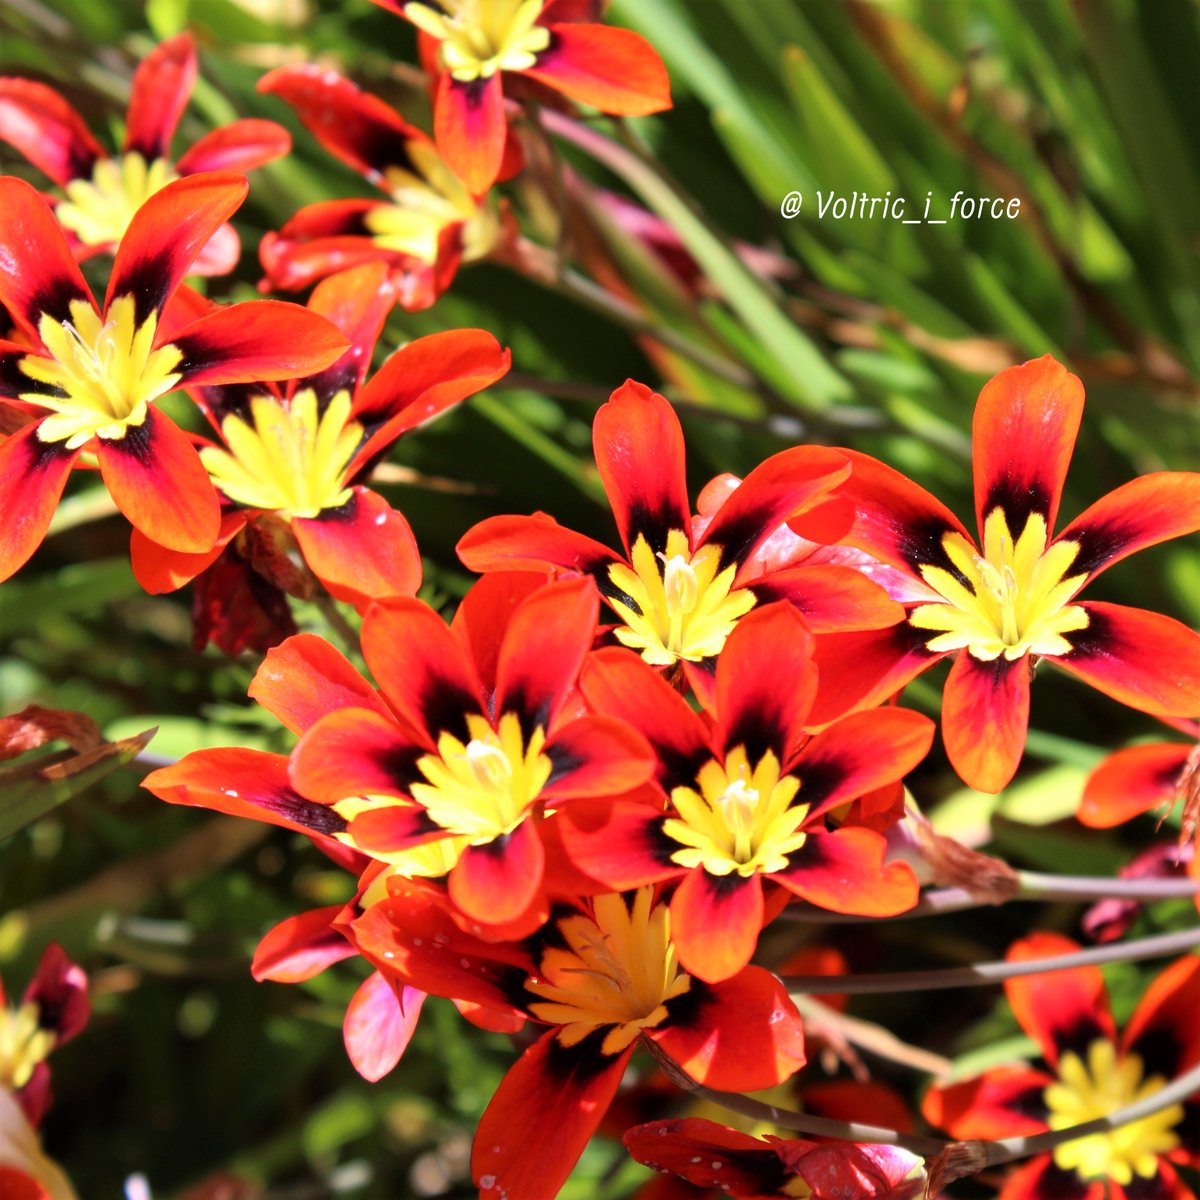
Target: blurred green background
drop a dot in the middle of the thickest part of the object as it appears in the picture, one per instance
(872, 334)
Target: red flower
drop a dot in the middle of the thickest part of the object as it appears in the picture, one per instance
(290, 456)
(445, 771)
(680, 593)
(53, 1009)
(90, 376)
(1088, 1072)
(102, 193)
(1000, 608)
(427, 226)
(713, 1156)
(475, 43)
(603, 975)
(749, 797)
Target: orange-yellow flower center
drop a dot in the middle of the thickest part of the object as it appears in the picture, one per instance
(105, 371)
(480, 37)
(1011, 600)
(682, 606)
(23, 1044)
(290, 457)
(737, 819)
(618, 969)
(1095, 1089)
(428, 199)
(98, 210)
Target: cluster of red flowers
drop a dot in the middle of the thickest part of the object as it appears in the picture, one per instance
(578, 804)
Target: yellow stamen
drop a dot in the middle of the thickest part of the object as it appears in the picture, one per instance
(23, 1044)
(429, 198)
(1105, 1084)
(485, 788)
(480, 37)
(98, 210)
(740, 820)
(685, 609)
(107, 372)
(1015, 599)
(292, 459)
(618, 968)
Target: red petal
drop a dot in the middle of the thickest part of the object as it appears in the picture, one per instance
(379, 1024)
(160, 570)
(1143, 659)
(542, 1116)
(1000, 1103)
(353, 752)
(618, 844)
(1164, 1184)
(238, 146)
(715, 923)
(165, 236)
(833, 599)
(860, 670)
(305, 678)
(1040, 1179)
(37, 472)
(358, 302)
(897, 521)
(495, 883)
(639, 450)
(1062, 1010)
(257, 340)
(421, 667)
(469, 126)
(766, 682)
(242, 783)
(543, 648)
(1131, 782)
(38, 272)
(354, 126)
(362, 551)
(985, 716)
(484, 614)
(15, 1184)
(221, 253)
(783, 486)
(741, 1035)
(158, 481)
(512, 543)
(1144, 512)
(844, 871)
(1026, 421)
(597, 756)
(40, 124)
(300, 947)
(1163, 1030)
(423, 379)
(391, 828)
(617, 682)
(860, 753)
(412, 937)
(59, 990)
(162, 85)
(614, 70)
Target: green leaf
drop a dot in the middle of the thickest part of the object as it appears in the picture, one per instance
(32, 788)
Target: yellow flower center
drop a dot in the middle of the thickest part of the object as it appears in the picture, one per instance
(485, 788)
(105, 371)
(291, 458)
(1010, 600)
(429, 860)
(618, 968)
(676, 604)
(1102, 1086)
(23, 1044)
(480, 37)
(98, 210)
(740, 819)
(427, 200)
